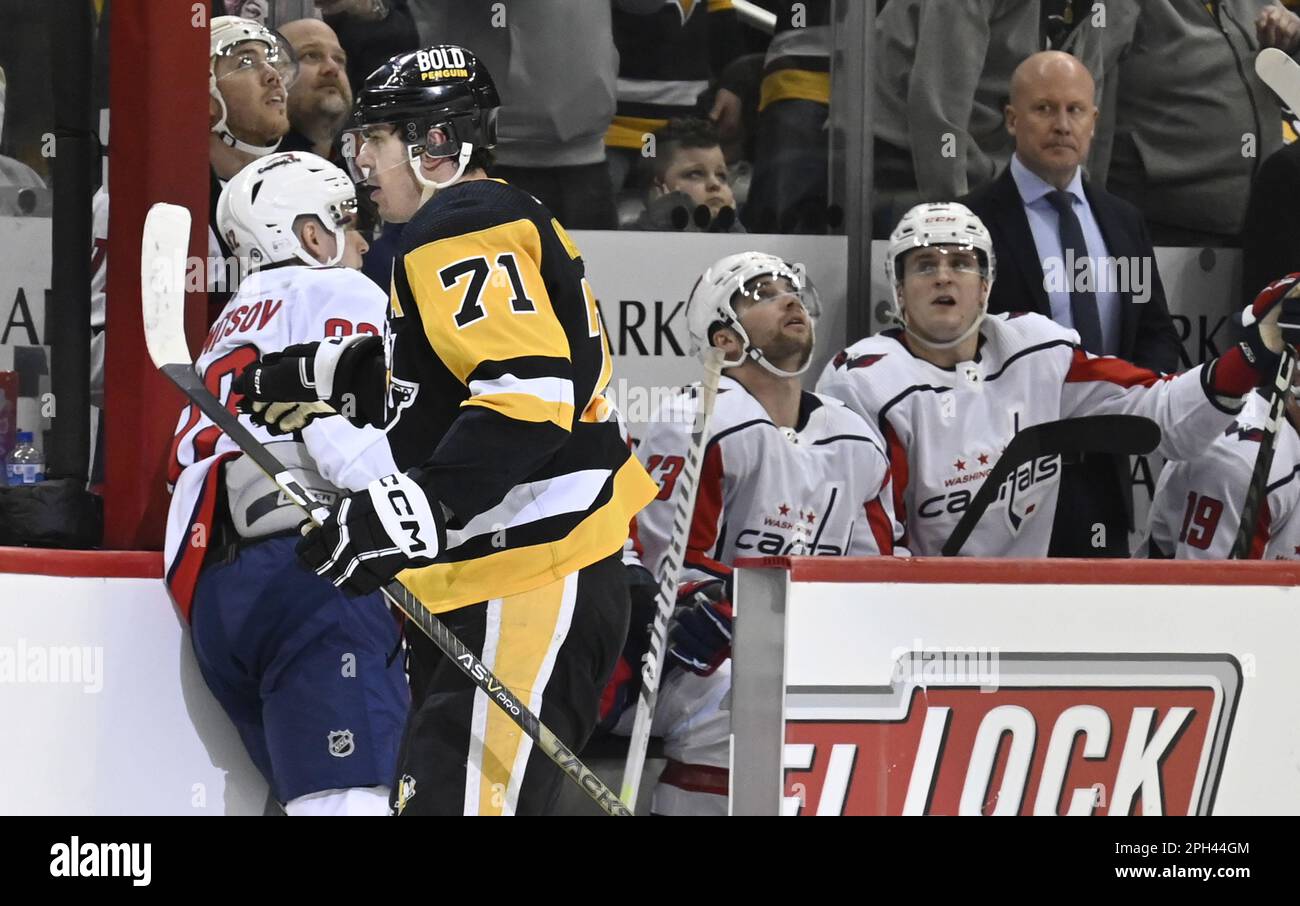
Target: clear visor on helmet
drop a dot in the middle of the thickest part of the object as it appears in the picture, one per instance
(373, 148)
(239, 59)
(782, 288)
(926, 262)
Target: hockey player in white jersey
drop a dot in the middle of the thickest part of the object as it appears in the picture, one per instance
(785, 472)
(1196, 509)
(310, 678)
(950, 387)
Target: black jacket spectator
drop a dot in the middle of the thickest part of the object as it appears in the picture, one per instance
(1270, 238)
(370, 44)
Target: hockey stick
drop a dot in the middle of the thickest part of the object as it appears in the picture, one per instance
(1117, 434)
(652, 662)
(1280, 73)
(1258, 487)
(162, 269)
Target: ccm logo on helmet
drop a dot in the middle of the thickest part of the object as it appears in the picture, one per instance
(441, 58)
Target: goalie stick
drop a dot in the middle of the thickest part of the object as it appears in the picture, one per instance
(162, 269)
(1117, 434)
(652, 662)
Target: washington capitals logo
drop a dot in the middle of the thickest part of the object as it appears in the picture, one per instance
(844, 360)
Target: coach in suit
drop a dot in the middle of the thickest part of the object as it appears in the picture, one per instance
(1083, 257)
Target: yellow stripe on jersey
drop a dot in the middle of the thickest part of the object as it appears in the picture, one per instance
(594, 411)
(530, 628)
(512, 571)
(630, 131)
(569, 245)
(717, 6)
(473, 311)
(795, 85)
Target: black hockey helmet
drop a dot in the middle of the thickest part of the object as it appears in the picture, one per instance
(444, 88)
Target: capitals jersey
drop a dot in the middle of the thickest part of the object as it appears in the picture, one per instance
(946, 427)
(271, 310)
(822, 488)
(1196, 510)
(492, 380)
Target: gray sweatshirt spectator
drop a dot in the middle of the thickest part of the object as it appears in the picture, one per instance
(557, 69)
(1185, 121)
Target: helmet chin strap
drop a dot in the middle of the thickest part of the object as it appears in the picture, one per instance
(752, 353)
(949, 344)
(228, 138)
(431, 186)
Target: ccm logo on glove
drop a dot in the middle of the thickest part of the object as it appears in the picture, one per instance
(406, 516)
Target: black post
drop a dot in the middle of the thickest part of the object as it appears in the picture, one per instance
(71, 26)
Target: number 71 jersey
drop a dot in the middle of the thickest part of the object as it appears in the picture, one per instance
(497, 364)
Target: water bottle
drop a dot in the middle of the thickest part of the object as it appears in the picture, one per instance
(23, 465)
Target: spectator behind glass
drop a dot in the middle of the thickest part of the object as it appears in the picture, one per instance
(320, 99)
(689, 184)
(666, 61)
(943, 74)
(557, 68)
(1191, 121)
(789, 191)
(13, 173)
(254, 10)
(1270, 238)
(371, 31)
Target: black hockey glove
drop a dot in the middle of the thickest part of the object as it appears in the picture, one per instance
(375, 534)
(285, 391)
(286, 376)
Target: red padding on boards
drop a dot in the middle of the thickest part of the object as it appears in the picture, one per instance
(1030, 572)
(99, 564)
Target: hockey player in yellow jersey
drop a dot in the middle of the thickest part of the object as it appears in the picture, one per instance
(516, 489)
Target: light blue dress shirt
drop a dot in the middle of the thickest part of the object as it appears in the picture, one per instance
(1045, 225)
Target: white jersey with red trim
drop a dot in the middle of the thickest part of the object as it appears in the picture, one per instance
(821, 489)
(272, 309)
(1196, 510)
(946, 427)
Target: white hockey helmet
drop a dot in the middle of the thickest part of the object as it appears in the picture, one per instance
(932, 224)
(711, 302)
(258, 207)
(227, 33)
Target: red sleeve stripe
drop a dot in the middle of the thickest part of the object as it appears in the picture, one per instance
(1115, 371)
(708, 515)
(897, 468)
(635, 534)
(882, 528)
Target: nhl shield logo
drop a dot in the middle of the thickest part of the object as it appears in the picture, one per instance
(341, 744)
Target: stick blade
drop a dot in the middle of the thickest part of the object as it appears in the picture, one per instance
(1280, 73)
(163, 249)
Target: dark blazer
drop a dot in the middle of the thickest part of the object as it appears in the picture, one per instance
(1147, 335)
